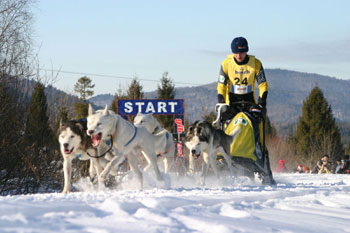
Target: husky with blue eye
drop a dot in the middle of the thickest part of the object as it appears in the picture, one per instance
(203, 139)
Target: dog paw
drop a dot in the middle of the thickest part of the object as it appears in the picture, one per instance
(190, 172)
(102, 178)
(65, 191)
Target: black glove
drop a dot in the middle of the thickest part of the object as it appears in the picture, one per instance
(256, 110)
(262, 100)
(228, 113)
(221, 99)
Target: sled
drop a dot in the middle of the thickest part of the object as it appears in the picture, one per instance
(248, 152)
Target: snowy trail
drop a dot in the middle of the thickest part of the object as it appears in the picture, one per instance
(299, 203)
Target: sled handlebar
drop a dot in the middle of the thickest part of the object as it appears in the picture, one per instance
(243, 102)
(242, 106)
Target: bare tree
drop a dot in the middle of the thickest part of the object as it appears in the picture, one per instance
(15, 41)
(17, 68)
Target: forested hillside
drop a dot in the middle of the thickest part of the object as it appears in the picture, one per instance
(288, 90)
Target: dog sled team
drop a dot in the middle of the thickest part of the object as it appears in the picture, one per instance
(88, 140)
(107, 139)
(237, 135)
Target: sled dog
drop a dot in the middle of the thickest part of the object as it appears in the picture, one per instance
(164, 144)
(203, 138)
(75, 143)
(127, 139)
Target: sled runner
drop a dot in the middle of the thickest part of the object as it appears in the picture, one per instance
(248, 150)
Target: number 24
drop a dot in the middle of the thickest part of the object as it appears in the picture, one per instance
(244, 81)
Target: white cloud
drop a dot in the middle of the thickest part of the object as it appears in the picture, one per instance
(326, 52)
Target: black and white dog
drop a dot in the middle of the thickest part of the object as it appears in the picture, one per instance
(203, 138)
(75, 143)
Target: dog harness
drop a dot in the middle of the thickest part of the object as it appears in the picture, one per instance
(166, 152)
(103, 154)
(133, 137)
(115, 133)
(167, 137)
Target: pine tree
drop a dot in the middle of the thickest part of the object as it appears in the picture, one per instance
(38, 129)
(166, 91)
(317, 133)
(167, 88)
(135, 90)
(120, 95)
(84, 88)
(39, 136)
(12, 121)
(81, 110)
(61, 117)
(347, 151)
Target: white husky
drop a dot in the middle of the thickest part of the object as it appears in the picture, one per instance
(127, 139)
(75, 143)
(164, 145)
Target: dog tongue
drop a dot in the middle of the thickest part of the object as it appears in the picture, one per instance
(96, 139)
(66, 151)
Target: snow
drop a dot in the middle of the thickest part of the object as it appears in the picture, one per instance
(298, 203)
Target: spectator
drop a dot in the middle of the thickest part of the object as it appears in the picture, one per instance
(300, 169)
(281, 168)
(307, 169)
(345, 165)
(323, 165)
(338, 166)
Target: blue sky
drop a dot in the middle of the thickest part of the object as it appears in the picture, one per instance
(113, 41)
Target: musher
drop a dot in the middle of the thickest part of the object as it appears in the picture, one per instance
(238, 74)
(236, 93)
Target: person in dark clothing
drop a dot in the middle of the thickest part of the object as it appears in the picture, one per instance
(323, 165)
(238, 74)
(345, 165)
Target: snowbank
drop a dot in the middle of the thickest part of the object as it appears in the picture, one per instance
(299, 203)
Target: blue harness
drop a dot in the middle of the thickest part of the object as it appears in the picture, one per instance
(135, 128)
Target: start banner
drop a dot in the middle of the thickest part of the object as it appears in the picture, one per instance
(156, 107)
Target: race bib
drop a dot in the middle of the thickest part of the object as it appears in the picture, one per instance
(240, 90)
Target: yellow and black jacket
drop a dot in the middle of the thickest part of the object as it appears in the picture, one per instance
(237, 80)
